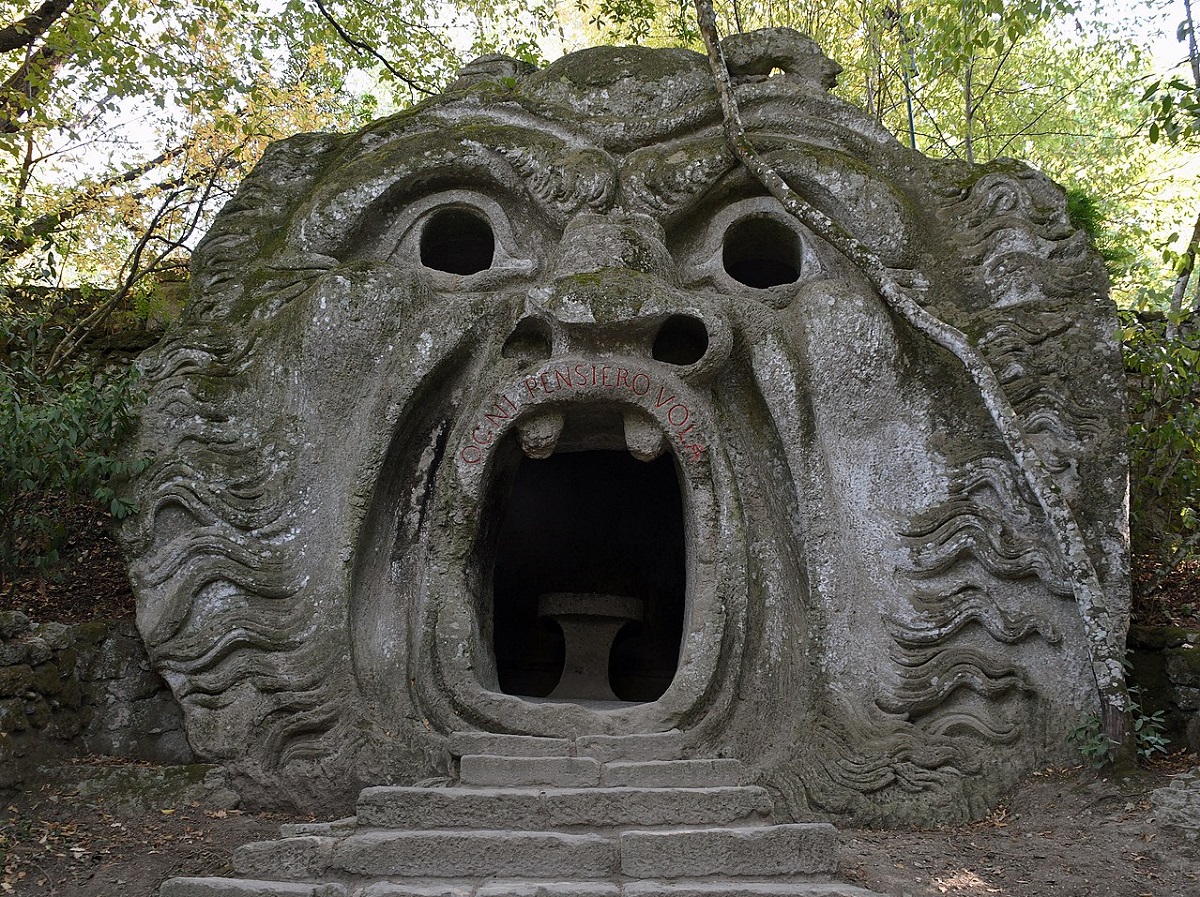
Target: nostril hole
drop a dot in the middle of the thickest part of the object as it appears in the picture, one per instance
(457, 241)
(762, 253)
(530, 341)
(681, 340)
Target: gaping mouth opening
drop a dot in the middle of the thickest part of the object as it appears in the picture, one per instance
(588, 568)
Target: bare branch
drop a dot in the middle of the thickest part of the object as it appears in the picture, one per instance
(364, 47)
(996, 70)
(80, 203)
(1184, 274)
(22, 34)
(134, 271)
(1193, 50)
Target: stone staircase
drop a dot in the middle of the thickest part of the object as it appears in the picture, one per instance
(597, 816)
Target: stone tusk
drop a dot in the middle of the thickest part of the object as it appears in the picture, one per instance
(539, 433)
(642, 437)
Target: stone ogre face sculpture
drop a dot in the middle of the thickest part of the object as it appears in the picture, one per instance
(527, 410)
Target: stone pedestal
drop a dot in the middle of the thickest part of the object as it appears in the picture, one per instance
(590, 624)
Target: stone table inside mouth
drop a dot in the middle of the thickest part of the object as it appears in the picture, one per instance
(590, 623)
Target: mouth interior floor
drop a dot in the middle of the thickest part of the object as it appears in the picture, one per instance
(589, 522)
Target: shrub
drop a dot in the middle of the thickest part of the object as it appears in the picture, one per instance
(60, 433)
(1164, 438)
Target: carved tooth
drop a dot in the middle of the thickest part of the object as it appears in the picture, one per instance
(643, 439)
(539, 434)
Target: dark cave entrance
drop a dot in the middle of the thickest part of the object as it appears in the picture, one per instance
(589, 582)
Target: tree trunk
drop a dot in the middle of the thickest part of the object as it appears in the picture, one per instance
(969, 113)
(1183, 276)
(1193, 52)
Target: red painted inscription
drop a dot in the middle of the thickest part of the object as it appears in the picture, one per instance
(672, 411)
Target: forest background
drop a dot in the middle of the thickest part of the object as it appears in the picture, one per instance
(126, 124)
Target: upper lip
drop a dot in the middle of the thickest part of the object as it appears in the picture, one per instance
(655, 407)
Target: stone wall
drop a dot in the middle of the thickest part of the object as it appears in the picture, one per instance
(68, 690)
(1166, 668)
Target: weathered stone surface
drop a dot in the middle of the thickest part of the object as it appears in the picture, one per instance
(654, 746)
(13, 652)
(13, 623)
(233, 887)
(548, 889)
(419, 888)
(1183, 665)
(672, 773)
(560, 772)
(47, 679)
(287, 858)
(459, 854)
(12, 715)
(65, 726)
(71, 695)
(735, 888)
(540, 335)
(147, 789)
(804, 849)
(464, 743)
(66, 658)
(50, 713)
(38, 712)
(543, 809)
(15, 680)
(39, 651)
(1178, 805)
(347, 826)
(1165, 665)
(58, 636)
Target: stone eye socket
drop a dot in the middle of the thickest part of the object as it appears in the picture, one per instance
(762, 252)
(457, 241)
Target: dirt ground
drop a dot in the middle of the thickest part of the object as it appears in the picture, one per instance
(1062, 833)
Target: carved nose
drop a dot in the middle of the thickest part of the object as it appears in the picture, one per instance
(592, 242)
(697, 340)
(615, 294)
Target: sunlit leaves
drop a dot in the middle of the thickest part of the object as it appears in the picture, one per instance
(1174, 109)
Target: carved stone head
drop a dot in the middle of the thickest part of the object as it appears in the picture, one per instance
(528, 410)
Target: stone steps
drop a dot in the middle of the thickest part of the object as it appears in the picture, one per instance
(585, 772)
(755, 851)
(594, 816)
(604, 748)
(547, 809)
(235, 887)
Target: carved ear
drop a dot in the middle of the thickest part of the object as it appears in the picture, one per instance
(752, 55)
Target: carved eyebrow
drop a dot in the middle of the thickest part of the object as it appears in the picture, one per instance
(566, 182)
(671, 182)
(556, 177)
(564, 171)
(668, 182)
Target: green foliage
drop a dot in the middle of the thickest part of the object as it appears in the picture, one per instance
(1148, 732)
(630, 20)
(1174, 104)
(1164, 436)
(1087, 214)
(59, 435)
(1091, 742)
